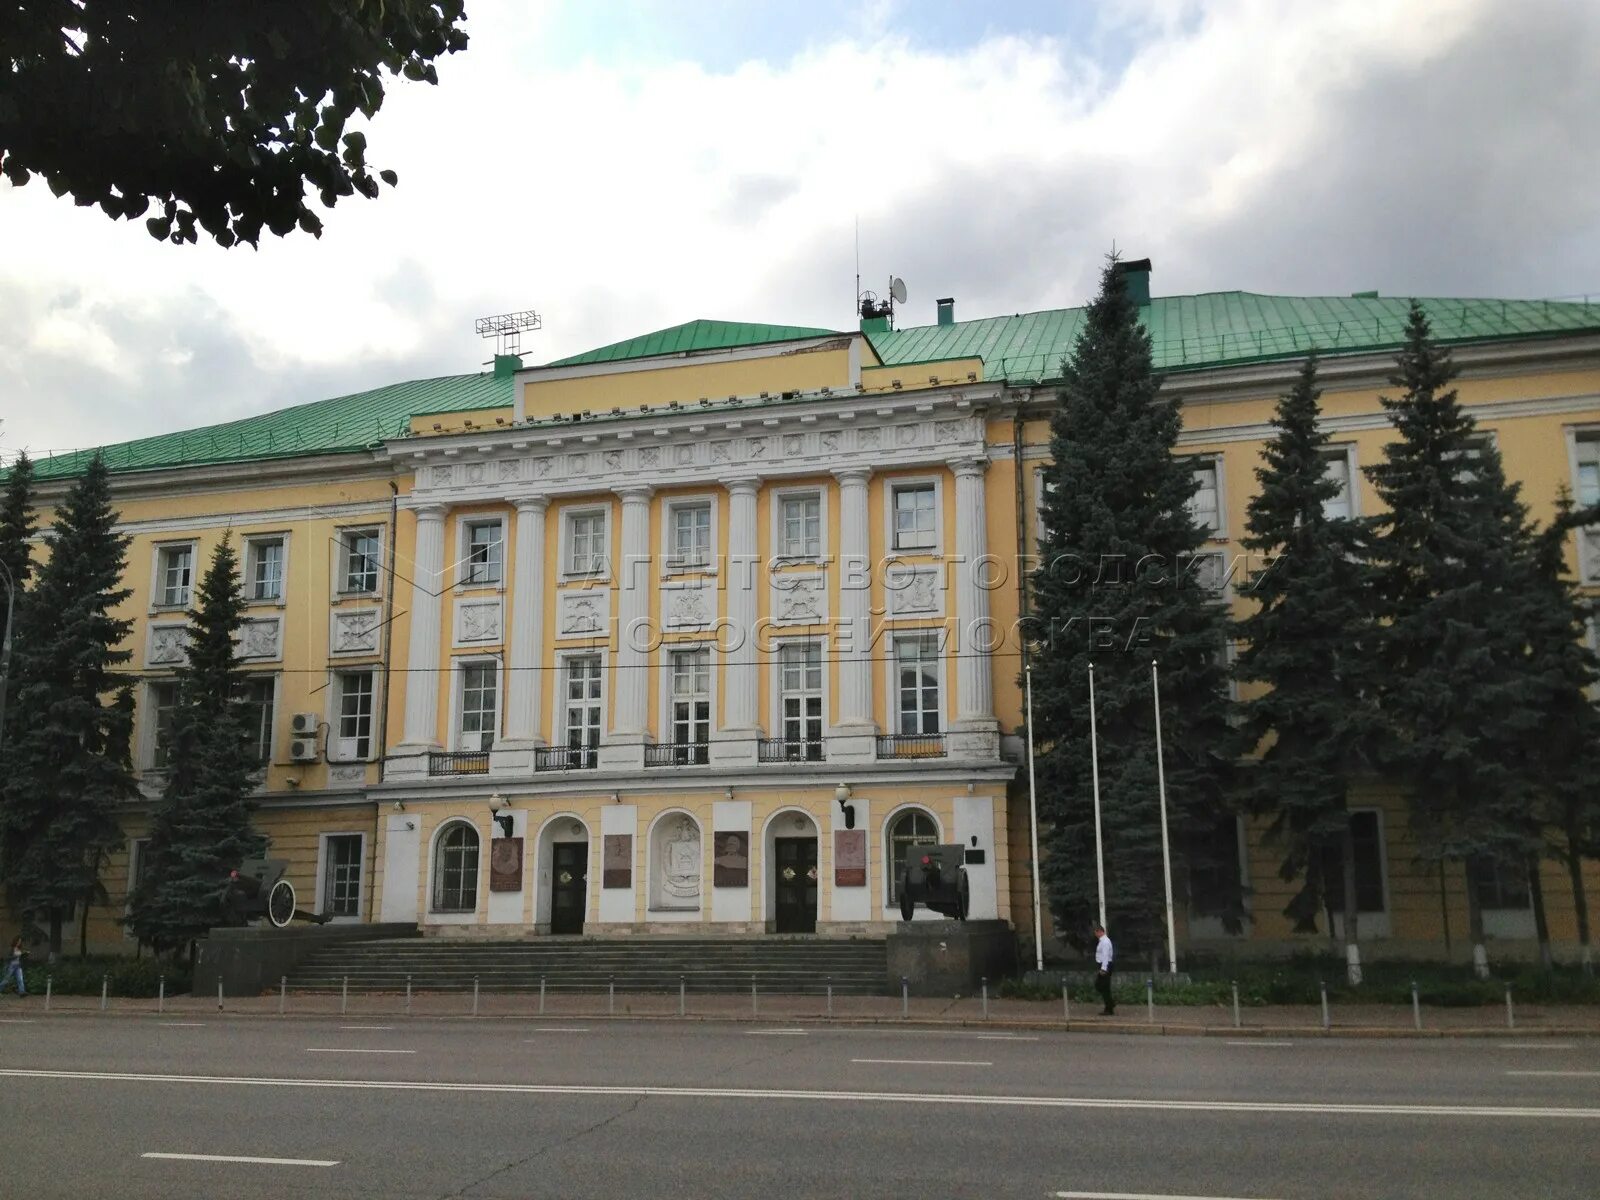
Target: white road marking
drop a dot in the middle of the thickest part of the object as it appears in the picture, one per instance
(366, 1027)
(16, 1020)
(242, 1158)
(775, 1033)
(182, 1024)
(1537, 1046)
(1133, 1196)
(351, 1050)
(1259, 1042)
(925, 1062)
(1004, 1037)
(1567, 1074)
(1249, 1107)
(559, 1029)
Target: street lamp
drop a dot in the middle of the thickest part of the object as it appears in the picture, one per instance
(842, 795)
(499, 810)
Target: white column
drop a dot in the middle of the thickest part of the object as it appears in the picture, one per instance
(973, 732)
(422, 661)
(852, 737)
(524, 681)
(735, 741)
(634, 574)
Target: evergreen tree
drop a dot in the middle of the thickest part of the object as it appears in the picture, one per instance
(1452, 592)
(1119, 585)
(17, 528)
(65, 767)
(202, 829)
(1309, 642)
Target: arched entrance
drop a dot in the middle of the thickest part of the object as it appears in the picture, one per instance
(793, 878)
(561, 896)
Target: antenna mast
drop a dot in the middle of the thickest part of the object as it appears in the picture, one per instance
(507, 329)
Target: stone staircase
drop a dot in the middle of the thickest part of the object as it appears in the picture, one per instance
(779, 965)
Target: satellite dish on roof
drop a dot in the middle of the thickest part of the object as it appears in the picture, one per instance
(897, 289)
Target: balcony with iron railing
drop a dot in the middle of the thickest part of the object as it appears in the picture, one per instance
(789, 750)
(911, 745)
(458, 762)
(565, 758)
(678, 754)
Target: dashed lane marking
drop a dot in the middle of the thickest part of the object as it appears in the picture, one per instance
(775, 1033)
(1538, 1046)
(1565, 1074)
(1259, 1042)
(1134, 1196)
(924, 1062)
(352, 1050)
(245, 1158)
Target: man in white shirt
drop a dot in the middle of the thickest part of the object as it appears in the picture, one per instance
(1103, 956)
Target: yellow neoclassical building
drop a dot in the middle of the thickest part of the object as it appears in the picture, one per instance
(704, 629)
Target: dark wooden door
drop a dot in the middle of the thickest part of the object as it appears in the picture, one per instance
(795, 860)
(569, 889)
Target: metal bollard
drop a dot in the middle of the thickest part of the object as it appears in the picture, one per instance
(611, 995)
(161, 996)
(283, 993)
(1150, 1001)
(49, 984)
(1236, 1004)
(344, 996)
(681, 988)
(905, 996)
(105, 988)
(541, 995)
(408, 995)
(219, 994)
(984, 983)
(753, 1004)
(830, 997)
(1066, 1004)
(1511, 1016)
(474, 995)
(1416, 1006)
(1327, 1022)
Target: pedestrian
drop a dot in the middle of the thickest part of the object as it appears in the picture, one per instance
(14, 968)
(1103, 956)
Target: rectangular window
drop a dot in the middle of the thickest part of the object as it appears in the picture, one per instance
(1588, 481)
(355, 715)
(174, 576)
(1366, 833)
(264, 569)
(585, 700)
(917, 670)
(1499, 885)
(362, 551)
(915, 517)
(586, 543)
(800, 693)
(478, 722)
(341, 875)
(1215, 872)
(163, 699)
(691, 704)
(485, 551)
(1336, 469)
(1205, 506)
(801, 519)
(258, 695)
(691, 535)
(138, 863)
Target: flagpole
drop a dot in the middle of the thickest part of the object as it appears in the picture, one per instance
(1094, 760)
(1166, 853)
(1033, 817)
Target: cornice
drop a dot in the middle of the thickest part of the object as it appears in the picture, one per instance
(345, 467)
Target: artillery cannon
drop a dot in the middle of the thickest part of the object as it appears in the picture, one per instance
(258, 889)
(935, 878)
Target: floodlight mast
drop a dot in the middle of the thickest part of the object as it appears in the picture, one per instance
(507, 329)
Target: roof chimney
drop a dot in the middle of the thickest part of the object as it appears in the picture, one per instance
(947, 310)
(507, 365)
(1136, 279)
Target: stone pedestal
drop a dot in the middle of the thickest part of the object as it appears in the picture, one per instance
(948, 958)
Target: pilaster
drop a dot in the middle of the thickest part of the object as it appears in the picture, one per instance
(421, 731)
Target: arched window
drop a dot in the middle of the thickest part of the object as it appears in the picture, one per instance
(455, 870)
(911, 828)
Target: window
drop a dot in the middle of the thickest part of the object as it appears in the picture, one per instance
(800, 526)
(800, 694)
(138, 864)
(1499, 885)
(586, 543)
(478, 722)
(1365, 832)
(584, 704)
(174, 576)
(355, 715)
(691, 535)
(917, 665)
(455, 870)
(1215, 872)
(257, 697)
(1588, 482)
(163, 699)
(362, 551)
(916, 525)
(341, 874)
(485, 550)
(691, 704)
(263, 566)
(1209, 569)
(911, 828)
(1205, 506)
(1336, 469)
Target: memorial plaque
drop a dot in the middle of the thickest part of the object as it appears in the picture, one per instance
(616, 860)
(505, 864)
(731, 867)
(850, 858)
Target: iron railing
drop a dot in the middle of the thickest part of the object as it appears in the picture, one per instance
(458, 762)
(678, 754)
(565, 758)
(911, 745)
(789, 750)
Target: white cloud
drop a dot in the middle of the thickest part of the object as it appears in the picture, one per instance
(1421, 147)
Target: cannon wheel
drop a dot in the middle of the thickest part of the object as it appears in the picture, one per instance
(908, 906)
(280, 903)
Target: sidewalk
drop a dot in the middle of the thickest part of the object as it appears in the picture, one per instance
(1286, 1020)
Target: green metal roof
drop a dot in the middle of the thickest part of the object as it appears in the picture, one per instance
(1230, 328)
(692, 336)
(345, 423)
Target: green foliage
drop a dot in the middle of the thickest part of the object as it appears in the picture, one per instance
(1118, 586)
(1310, 641)
(123, 976)
(64, 768)
(201, 830)
(219, 115)
(17, 525)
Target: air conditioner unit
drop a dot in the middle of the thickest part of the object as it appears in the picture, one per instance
(303, 749)
(305, 724)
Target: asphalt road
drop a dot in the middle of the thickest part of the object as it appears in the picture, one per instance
(152, 1107)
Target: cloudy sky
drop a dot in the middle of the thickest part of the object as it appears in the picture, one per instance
(619, 167)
